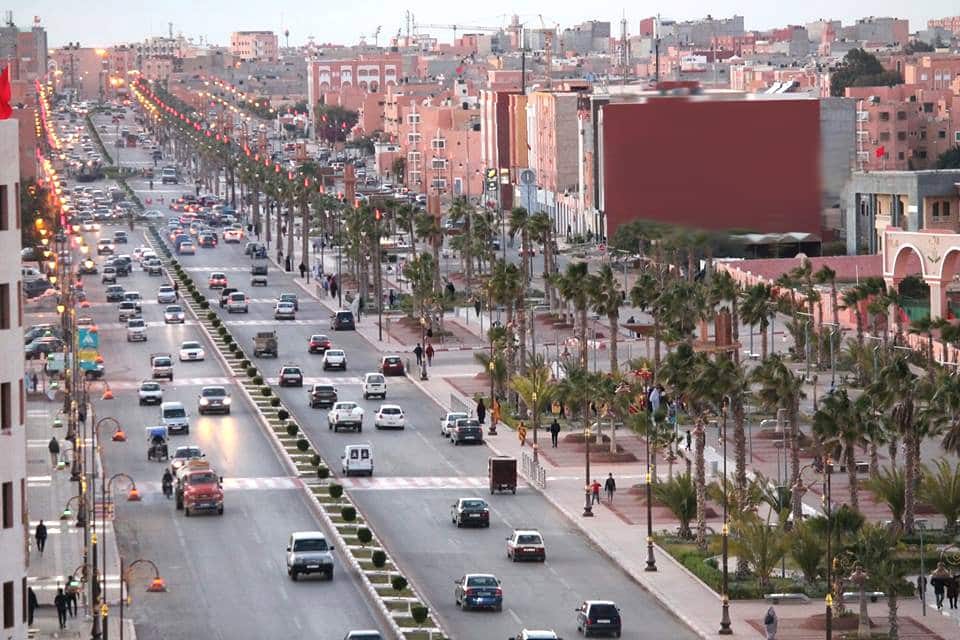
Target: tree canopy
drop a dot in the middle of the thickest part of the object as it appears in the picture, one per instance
(334, 122)
(861, 69)
(949, 159)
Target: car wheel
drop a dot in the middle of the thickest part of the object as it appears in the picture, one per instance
(220, 510)
(186, 511)
(330, 575)
(293, 575)
(499, 607)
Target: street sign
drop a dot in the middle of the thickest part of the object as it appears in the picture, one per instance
(527, 176)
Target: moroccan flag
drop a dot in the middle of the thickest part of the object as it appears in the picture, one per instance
(459, 70)
(881, 151)
(5, 109)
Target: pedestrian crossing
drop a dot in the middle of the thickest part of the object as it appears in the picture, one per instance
(337, 382)
(125, 385)
(270, 323)
(108, 326)
(237, 484)
(394, 483)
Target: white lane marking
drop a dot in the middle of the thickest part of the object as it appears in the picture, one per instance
(514, 615)
(419, 483)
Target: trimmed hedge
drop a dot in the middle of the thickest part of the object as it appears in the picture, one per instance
(266, 392)
(292, 430)
(284, 415)
(379, 558)
(364, 535)
(349, 514)
(335, 490)
(274, 401)
(258, 380)
(303, 444)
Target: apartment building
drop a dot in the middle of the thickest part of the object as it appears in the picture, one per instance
(254, 45)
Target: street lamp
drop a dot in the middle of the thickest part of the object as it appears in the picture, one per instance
(799, 487)
(587, 434)
(651, 561)
(491, 367)
(157, 584)
(536, 410)
(725, 629)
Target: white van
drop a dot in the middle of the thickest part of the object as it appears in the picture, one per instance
(357, 459)
(29, 274)
(136, 330)
(174, 416)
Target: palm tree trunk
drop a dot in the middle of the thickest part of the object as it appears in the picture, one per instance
(849, 459)
(763, 342)
(735, 328)
(613, 435)
(701, 486)
(305, 234)
(894, 633)
(910, 475)
(291, 214)
(468, 249)
(656, 345)
(583, 336)
(614, 320)
(740, 448)
(859, 317)
(436, 242)
(256, 208)
(522, 333)
(795, 461)
(874, 460)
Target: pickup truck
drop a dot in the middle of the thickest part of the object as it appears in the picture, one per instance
(345, 415)
(265, 344)
(198, 488)
(162, 365)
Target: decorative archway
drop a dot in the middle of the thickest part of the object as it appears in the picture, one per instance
(937, 253)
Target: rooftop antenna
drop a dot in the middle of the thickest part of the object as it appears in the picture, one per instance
(170, 29)
(656, 49)
(624, 50)
(286, 34)
(8, 19)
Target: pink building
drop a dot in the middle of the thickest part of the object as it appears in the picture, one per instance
(552, 133)
(933, 71)
(254, 45)
(951, 23)
(371, 74)
(752, 79)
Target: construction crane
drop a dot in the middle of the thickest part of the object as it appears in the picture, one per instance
(547, 48)
(456, 27)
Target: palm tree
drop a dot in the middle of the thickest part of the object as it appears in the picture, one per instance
(837, 423)
(941, 489)
(781, 389)
(678, 495)
(756, 308)
(575, 287)
(607, 297)
(646, 296)
(851, 300)
(462, 211)
(428, 228)
(520, 222)
(499, 369)
(406, 216)
(889, 487)
(760, 544)
(536, 391)
(807, 550)
(541, 230)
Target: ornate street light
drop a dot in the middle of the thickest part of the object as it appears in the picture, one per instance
(587, 507)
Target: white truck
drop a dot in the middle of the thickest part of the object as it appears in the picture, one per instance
(345, 415)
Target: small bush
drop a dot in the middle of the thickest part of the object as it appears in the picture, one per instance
(364, 535)
(303, 445)
(323, 472)
(379, 558)
(222, 331)
(204, 304)
(251, 371)
(266, 392)
(335, 491)
(212, 317)
(257, 379)
(292, 429)
(245, 364)
(283, 414)
(232, 346)
(349, 514)
(315, 460)
(274, 401)
(228, 339)
(419, 613)
(399, 583)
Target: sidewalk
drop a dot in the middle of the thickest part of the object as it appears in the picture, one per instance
(48, 492)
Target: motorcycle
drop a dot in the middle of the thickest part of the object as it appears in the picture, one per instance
(167, 486)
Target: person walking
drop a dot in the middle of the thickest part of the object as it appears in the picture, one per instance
(689, 439)
(54, 449)
(429, 353)
(32, 604)
(176, 290)
(595, 492)
(554, 432)
(939, 579)
(418, 351)
(770, 624)
(303, 270)
(610, 486)
(953, 590)
(60, 602)
(481, 411)
(72, 602)
(41, 536)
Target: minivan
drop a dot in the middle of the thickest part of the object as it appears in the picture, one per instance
(343, 321)
(174, 416)
(357, 458)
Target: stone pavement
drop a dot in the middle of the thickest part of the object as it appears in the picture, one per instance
(49, 490)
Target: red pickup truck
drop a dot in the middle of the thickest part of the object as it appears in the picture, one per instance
(199, 488)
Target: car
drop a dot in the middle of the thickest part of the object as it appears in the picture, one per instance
(166, 294)
(473, 512)
(127, 309)
(213, 399)
(334, 359)
(173, 314)
(134, 297)
(233, 236)
(183, 454)
(105, 247)
(322, 395)
(186, 248)
(363, 634)
(41, 330)
(374, 385)
(109, 275)
(478, 590)
(291, 298)
(225, 295)
(136, 330)
(89, 225)
(389, 416)
(449, 421)
(217, 280)
(345, 415)
(284, 311)
(391, 366)
(253, 248)
(343, 321)
(526, 543)
(192, 351)
(150, 392)
(207, 240)
(123, 265)
(318, 343)
(467, 430)
(153, 214)
(153, 266)
(237, 303)
(87, 267)
(291, 376)
(535, 634)
(308, 552)
(598, 616)
(115, 293)
(42, 346)
(120, 237)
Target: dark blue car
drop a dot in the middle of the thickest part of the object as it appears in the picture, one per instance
(478, 591)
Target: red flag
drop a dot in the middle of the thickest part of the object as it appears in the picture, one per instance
(459, 70)
(881, 151)
(5, 109)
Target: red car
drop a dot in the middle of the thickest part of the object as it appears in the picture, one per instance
(217, 280)
(391, 366)
(318, 344)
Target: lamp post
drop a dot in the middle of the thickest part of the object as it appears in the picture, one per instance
(587, 434)
(157, 585)
(800, 488)
(923, 572)
(651, 561)
(536, 410)
(725, 629)
(492, 430)
(132, 496)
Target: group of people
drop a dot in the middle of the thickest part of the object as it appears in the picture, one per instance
(329, 283)
(65, 601)
(609, 488)
(420, 353)
(945, 584)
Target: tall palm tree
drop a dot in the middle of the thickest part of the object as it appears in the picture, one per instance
(606, 297)
(428, 228)
(940, 487)
(646, 296)
(838, 424)
(406, 217)
(462, 211)
(536, 391)
(852, 298)
(520, 222)
(757, 307)
(889, 487)
(779, 388)
(541, 230)
(574, 286)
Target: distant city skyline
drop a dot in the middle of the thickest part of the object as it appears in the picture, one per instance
(99, 24)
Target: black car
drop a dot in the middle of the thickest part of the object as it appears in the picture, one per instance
(225, 295)
(120, 237)
(343, 321)
(598, 616)
(467, 431)
(322, 395)
(207, 241)
(115, 293)
(290, 297)
(34, 288)
(42, 346)
(470, 512)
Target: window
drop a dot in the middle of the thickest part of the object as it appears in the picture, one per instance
(413, 138)
(956, 136)
(439, 183)
(8, 604)
(946, 209)
(901, 135)
(928, 107)
(438, 143)
(439, 163)
(23, 409)
(901, 115)
(900, 156)
(4, 209)
(922, 154)
(942, 134)
(6, 407)
(413, 118)
(936, 209)
(884, 136)
(23, 598)
(4, 306)
(884, 116)
(7, 505)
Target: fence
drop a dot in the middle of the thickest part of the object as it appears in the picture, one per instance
(532, 470)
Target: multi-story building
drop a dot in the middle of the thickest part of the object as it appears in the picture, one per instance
(552, 137)
(254, 45)
(162, 46)
(888, 31)
(371, 74)
(80, 69)
(951, 24)
(14, 523)
(26, 49)
(583, 38)
(937, 71)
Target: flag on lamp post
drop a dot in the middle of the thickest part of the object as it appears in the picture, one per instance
(881, 151)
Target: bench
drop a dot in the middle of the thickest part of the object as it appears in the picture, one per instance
(855, 595)
(787, 598)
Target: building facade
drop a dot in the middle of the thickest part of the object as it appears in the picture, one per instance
(254, 45)
(14, 523)
(371, 74)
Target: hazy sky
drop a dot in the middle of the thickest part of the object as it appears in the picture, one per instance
(104, 22)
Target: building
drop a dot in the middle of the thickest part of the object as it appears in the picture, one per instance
(371, 74)
(717, 162)
(553, 146)
(254, 45)
(951, 24)
(25, 49)
(14, 522)
(583, 38)
(887, 31)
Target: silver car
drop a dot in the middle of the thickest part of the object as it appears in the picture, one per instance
(308, 552)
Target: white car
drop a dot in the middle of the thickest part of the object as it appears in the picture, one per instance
(150, 392)
(153, 214)
(449, 421)
(284, 311)
(334, 359)
(374, 384)
(166, 295)
(191, 350)
(173, 314)
(390, 416)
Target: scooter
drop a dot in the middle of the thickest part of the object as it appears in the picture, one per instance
(167, 488)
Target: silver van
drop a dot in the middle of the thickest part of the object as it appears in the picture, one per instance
(174, 416)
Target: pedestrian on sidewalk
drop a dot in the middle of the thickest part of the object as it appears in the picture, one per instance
(429, 353)
(72, 602)
(770, 624)
(939, 579)
(418, 351)
(595, 492)
(32, 604)
(481, 411)
(41, 536)
(610, 486)
(689, 440)
(60, 602)
(176, 290)
(333, 288)
(324, 282)
(953, 590)
(303, 270)
(554, 432)
(54, 449)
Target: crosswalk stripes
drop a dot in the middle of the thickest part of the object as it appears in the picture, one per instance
(394, 483)
(237, 484)
(337, 382)
(125, 385)
(270, 323)
(106, 326)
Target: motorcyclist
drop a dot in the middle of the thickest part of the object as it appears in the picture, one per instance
(167, 483)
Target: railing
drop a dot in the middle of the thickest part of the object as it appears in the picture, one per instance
(532, 470)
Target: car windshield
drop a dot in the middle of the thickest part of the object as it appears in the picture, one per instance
(135, 324)
(467, 423)
(528, 538)
(392, 360)
(291, 370)
(203, 478)
(175, 412)
(165, 290)
(162, 362)
(391, 411)
(375, 379)
(334, 352)
(174, 310)
(237, 297)
(322, 388)
(454, 417)
(473, 505)
(150, 386)
(187, 452)
(347, 406)
(190, 345)
(288, 297)
(212, 392)
(310, 544)
(482, 581)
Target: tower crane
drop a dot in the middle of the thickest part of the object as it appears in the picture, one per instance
(456, 27)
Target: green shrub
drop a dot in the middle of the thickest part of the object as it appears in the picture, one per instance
(323, 472)
(251, 371)
(364, 535)
(303, 445)
(222, 331)
(316, 460)
(274, 401)
(284, 415)
(292, 429)
(698, 567)
(245, 364)
(379, 558)
(232, 346)
(335, 490)
(349, 514)
(257, 379)
(212, 317)
(228, 339)
(204, 304)
(399, 583)
(419, 613)
(266, 392)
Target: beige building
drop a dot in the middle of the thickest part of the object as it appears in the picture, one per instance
(254, 45)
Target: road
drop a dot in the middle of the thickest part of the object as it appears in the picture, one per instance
(419, 475)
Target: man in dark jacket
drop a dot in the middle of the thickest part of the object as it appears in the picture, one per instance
(41, 536)
(60, 602)
(54, 448)
(32, 604)
(554, 432)
(610, 486)
(481, 411)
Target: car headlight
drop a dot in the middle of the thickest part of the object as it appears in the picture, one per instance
(204, 402)
(226, 401)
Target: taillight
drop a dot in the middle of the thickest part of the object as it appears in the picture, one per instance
(468, 592)
(499, 591)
